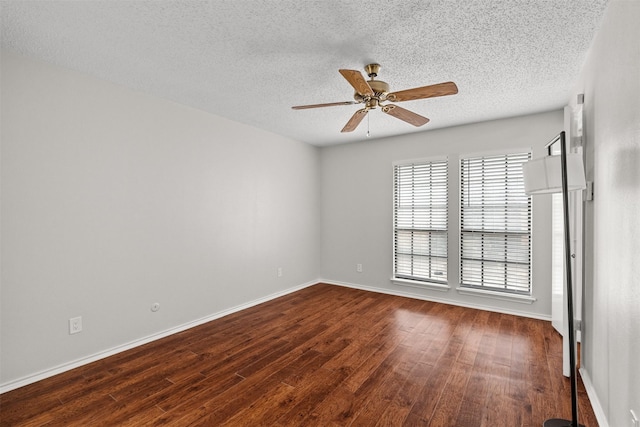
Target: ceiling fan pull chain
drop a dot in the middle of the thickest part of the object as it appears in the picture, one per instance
(368, 118)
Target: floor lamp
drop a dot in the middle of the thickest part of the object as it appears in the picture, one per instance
(555, 174)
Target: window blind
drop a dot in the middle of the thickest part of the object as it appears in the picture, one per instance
(495, 217)
(420, 221)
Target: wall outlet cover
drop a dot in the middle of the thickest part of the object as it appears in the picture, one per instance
(75, 325)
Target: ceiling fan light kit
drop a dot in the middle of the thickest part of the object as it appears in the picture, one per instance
(373, 92)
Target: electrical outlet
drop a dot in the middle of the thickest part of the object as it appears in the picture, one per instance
(75, 325)
(359, 268)
(279, 271)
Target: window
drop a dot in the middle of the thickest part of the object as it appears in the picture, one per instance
(495, 224)
(420, 221)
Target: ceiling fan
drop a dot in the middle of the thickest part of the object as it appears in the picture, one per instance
(373, 92)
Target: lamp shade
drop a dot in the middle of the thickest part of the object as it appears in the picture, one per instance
(544, 175)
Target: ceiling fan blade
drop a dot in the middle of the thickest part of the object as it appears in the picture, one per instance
(358, 82)
(406, 115)
(330, 104)
(355, 120)
(440, 89)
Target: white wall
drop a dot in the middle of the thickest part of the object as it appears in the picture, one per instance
(357, 203)
(610, 81)
(113, 200)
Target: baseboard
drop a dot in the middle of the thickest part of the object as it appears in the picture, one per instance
(30, 379)
(436, 299)
(593, 398)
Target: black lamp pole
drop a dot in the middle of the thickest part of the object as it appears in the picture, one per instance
(559, 422)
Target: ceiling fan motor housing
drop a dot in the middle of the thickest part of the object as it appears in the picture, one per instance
(380, 90)
(379, 87)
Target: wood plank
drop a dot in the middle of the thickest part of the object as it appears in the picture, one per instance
(400, 405)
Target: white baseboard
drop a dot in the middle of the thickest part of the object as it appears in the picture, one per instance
(38, 376)
(436, 299)
(593, 398)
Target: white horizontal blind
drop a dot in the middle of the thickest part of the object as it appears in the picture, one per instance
(420, 221)
(495, 237)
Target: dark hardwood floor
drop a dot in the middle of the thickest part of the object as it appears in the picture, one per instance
(323, 356)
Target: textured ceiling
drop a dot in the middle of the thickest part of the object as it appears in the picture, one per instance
(251, 60)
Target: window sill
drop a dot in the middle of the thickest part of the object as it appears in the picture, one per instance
(523, 299)
(442, 287)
